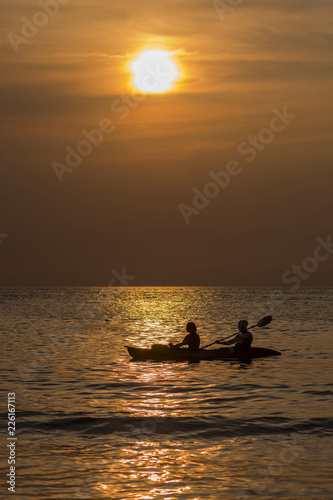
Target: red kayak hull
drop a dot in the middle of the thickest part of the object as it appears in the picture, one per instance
(224, 353)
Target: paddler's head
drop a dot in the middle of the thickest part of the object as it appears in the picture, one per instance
(242, 326)
(191, 328)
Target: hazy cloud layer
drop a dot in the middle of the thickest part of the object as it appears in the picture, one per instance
(119, 207)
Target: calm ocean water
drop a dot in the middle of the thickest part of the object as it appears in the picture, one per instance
(91, 424)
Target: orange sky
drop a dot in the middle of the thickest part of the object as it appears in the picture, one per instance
(120, 207)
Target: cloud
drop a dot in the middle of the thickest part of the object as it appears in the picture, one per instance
(120, 205)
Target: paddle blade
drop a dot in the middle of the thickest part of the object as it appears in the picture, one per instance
(264, 321)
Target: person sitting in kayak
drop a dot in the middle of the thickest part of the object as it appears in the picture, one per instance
(192, 339)
(243, 339)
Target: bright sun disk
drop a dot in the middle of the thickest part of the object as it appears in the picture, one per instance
(154, 71)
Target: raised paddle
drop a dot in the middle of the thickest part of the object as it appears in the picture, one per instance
(263, 322)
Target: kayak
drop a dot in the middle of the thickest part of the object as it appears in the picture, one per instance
(164, 353)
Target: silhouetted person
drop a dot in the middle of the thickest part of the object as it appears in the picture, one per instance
(243, 339)
(192, 339)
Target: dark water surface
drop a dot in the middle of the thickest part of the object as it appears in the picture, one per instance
(92, 424)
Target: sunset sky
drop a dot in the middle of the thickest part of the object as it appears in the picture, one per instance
(120, 207)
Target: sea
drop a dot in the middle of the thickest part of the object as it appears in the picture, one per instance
(81, 420)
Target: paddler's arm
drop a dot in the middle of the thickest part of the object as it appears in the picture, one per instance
(229, 342)
(175, 346)
(184, 342)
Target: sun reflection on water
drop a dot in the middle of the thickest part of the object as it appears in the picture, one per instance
(111, 429)
(150, 463)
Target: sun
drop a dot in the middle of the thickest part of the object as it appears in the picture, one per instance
(154, 71)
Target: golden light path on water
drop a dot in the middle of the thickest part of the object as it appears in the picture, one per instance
(104, 427)
(155, 461)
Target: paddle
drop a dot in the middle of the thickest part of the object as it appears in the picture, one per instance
(263, 322)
